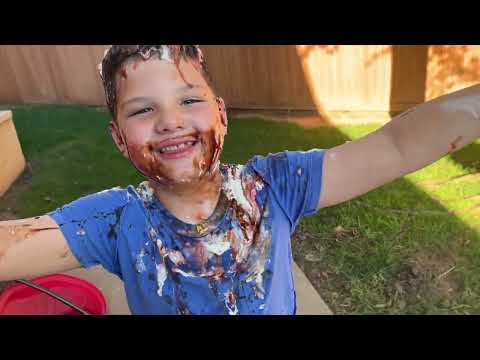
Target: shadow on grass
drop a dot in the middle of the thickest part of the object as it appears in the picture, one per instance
(468, 157)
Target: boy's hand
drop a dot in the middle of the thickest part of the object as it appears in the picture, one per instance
(33, 247)
(411, 141)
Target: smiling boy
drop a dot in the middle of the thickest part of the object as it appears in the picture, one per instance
(198, 236)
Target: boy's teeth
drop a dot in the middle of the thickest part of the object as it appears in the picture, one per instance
(172, 148)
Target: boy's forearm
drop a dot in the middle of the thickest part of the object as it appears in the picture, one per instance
(32, 247)
(432, 130)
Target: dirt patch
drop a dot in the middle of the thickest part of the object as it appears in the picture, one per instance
(9, 200)
(7, 215)
(333, 288)
(310, 252)
(429, 276)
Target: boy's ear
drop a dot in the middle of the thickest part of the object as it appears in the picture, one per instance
(223, 111)
(118, 138)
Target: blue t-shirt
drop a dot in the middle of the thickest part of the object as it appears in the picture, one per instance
(239, 261)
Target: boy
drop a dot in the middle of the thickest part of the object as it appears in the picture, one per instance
(200, 237)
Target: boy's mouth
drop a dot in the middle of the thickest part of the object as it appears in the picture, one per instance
(176, 148)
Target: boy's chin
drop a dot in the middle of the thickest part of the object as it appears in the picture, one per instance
(183, 177)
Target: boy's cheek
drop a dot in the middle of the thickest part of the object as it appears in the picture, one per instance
(205, 119)
(138, 133)
(147, 161)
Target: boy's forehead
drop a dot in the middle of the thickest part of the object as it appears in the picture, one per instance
(163, 52)
(131, 52)
(179, 75)
(164, 55)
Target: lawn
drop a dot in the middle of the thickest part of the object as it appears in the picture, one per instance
(410, 247)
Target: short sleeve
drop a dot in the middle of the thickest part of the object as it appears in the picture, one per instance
(91, 227)
(295, 178)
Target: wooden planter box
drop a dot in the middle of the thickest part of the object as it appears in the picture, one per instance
(12, 161)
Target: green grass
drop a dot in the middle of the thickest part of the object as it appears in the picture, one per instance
(412, 246)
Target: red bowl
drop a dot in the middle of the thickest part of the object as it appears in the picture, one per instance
(20, 299)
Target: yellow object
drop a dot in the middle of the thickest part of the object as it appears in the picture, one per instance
(12, 161)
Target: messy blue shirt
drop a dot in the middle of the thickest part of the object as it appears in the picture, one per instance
(239, 261)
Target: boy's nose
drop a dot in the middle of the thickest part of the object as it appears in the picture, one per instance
(169, 123)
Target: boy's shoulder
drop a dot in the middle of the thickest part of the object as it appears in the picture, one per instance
(101, 201)
(272, 165)
(261, 163)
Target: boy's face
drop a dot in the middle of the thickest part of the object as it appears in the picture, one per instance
(169, 122)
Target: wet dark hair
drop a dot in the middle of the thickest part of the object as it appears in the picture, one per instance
(117, 55)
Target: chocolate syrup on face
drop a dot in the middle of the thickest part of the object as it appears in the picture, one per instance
(148, 162)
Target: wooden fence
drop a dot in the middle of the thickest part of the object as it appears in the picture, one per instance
(303, 77)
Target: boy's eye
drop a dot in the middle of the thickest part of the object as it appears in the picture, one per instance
(141, 111)
(191, 101)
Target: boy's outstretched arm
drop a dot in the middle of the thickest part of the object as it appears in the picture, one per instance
(410, 141)
(33, 247)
